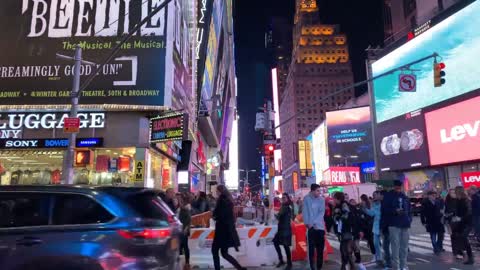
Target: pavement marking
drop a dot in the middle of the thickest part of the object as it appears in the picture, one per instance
(455, 269)
(422, 260)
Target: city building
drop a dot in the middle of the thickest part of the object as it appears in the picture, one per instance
(320, 65)
(149, 77)
(139, 116)
(216, 91)
(403, 16)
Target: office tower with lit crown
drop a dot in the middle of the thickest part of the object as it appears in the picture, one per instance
(320, 65)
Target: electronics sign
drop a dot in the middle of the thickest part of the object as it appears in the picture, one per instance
(168, 128)
(350, 135)
(454, 132)
(457, 40)
(401, 143)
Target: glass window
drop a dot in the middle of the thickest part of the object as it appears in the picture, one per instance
(24, 210)
(71, 209)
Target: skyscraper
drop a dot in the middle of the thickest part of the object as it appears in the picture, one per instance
(320, 65)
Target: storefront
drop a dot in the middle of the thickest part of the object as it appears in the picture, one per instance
(112, 149)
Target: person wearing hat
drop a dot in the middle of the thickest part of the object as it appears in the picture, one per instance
(396, 208)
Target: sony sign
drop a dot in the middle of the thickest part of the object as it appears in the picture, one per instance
(13, 124)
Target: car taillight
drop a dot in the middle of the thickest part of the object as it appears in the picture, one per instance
(146, 234)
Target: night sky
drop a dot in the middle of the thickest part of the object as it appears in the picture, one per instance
(361, 20)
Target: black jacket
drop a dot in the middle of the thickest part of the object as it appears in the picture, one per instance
(226, 235)
(432, 215)
(284, 233)
(464, 212)
(345, 222)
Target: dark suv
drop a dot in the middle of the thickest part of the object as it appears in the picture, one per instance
(86, 228)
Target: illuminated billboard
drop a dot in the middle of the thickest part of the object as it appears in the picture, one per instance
(454, 132)
(457, 41)
(319, 152)
(402, 143)
(231, 175)
(34, 31)
(349, 136)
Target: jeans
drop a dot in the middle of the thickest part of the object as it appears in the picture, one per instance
(437, 241)
(399, 238)
(386, 249)
(378, 247)
(184, 248)
(316, 242)
(346, 250)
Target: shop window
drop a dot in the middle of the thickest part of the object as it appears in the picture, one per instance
(24, 210)
(71, 209)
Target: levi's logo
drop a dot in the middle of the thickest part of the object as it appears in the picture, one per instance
(471, 179)
(459, 132)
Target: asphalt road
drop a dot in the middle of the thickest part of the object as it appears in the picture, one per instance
(421, 256)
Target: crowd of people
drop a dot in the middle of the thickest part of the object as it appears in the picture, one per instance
(383, 221)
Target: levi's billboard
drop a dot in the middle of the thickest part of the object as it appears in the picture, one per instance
(34, 31)
(470, 179)
(454, 132)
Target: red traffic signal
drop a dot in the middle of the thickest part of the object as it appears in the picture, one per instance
(438, 74)
(269, 148)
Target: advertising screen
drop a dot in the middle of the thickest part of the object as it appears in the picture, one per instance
(470, 179)
(457, 41)
(454, 132)
(319, 152)
(34, 31)
(349, 136)
(401, 143)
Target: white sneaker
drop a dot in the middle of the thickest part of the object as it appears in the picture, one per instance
(361, 266)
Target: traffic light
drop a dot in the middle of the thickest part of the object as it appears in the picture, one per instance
(438, 74)
(269, 148)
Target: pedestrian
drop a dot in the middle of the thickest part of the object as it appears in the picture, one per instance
(201, 203)
(185, 217)
(226, 235)
(450, 212)
(283, 237)
(384, 224)
(211, 202)
(396, 207)
(344, 229)
(329, 214)
(367, 224)
(169, 198)
(375, 212)
(475, 195)
(313, 214)
(299, 206)
(357, 230)
(432, 217)
(462, 221)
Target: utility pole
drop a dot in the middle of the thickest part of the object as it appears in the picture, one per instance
(270, 161)
(68, 170)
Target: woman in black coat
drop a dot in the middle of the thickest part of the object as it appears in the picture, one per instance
(462, 222)
(226, 235)
(284, 233)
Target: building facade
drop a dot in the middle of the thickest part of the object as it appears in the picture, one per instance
(320, 65)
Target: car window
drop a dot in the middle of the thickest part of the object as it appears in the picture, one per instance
(24, 209)
(148, 205)
(73, 209)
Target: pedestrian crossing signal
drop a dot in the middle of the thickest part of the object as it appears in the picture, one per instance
(438, 74)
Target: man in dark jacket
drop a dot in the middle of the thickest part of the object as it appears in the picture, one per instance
(475, 195)
(396, 208)
(432, 217)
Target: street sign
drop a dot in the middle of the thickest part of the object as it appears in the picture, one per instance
(71, 125)
(139, 171)
(407, 83)
(269, 139)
